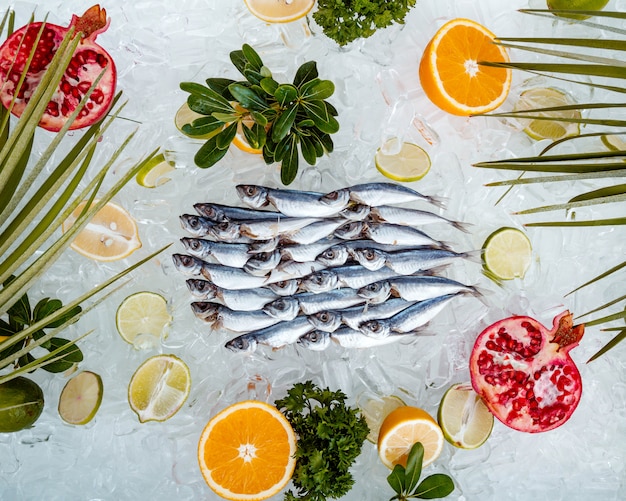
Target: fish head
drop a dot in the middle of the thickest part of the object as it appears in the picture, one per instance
(356, 212)
(210, 211)
(320, 281)
(285, 287)
(226, 231)
(283, 308)
(351, 230)
(333, 256)
(253, 195)
(264, 245)
(196, 225)
(206, 311)
(377, 329)
(327, 321)
(242, 344)
(202, 288)
(376, 291)
(188, 265)
(195, 246)
(372, 259)
(265, 260)
(338, 199)
(315, 340)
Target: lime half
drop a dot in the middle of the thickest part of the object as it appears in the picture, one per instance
(21, 404)
(155, 172)
(375, 410)
(411, 163)
(464, 418)
(142, 318)
(594, 5)
(507, 253)
(545, 97)
(81, 398)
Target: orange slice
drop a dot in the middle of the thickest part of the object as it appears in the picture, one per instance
(247, 451)
(279, 11)
(451, 75)
(404, 427)
(240, 140)
(110, 235)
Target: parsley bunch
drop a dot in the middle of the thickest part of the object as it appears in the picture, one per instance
(330, 437)
(347, 20)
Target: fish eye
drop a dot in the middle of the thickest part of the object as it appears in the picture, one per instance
(324, 317)
(314, 336)
(250, 190)
(186, 260)
(194, 245)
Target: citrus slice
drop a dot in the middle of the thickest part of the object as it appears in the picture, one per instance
(375, 410)
(279, 11)
(186, 115)
(594, 5)
(240, 140)
(411, 163)
(80, 398)
(247, 451)
(464, 418)
(401, 429)
(155, 172)
(507, 253)
(614, 142)
(110, 235)
(159, 388)
(142, 318)
(451, 75)
(545, 97)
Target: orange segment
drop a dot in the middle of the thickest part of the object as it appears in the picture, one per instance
(404, 427)
(451, 76)
(110, 235)
(279, 11)
(240, 140)
(247, 451)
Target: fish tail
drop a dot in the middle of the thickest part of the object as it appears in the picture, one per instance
(464, 227)
(475, 256)
(437, 201)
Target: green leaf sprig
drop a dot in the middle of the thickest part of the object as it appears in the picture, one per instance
(330, 436)
(282, 120)
(346, 20)
(405, 481)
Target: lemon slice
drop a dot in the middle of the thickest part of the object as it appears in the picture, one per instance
(80, 398)
(142, 318)
(401, 429)
(614, 142)
(186, 115)
(110, 235)
(545, 97)
(375, 410)
(507, 254)
(279, 11)
(155, 172)
(159, 388)
(411, 163)
(464, 418)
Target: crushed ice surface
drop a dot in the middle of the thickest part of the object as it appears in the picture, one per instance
(116, 457)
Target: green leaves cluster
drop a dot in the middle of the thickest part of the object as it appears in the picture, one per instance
(280, 119)
(347, 20)
(330, 437)
(21, 315)
(405, 481)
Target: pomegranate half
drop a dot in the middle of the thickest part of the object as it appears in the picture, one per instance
(524, 373)
(87, 63)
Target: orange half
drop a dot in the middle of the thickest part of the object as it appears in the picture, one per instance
(451, 75)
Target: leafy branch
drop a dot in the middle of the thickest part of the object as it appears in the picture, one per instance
(281, 120)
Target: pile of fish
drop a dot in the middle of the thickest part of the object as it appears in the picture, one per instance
(348, 266)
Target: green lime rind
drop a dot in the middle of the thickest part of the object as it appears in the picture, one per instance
(21, 404)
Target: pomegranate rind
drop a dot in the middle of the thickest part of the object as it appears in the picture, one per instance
(524, 373)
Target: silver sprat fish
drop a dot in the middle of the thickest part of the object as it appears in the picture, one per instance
(327, 321)
(412, 217)
(198, 226)
(241, 300)
(263, 263)
(314, 232)
(351, 231)
(376, 291)
(275, 336)
(266, 229)
(375, 194)
(229, 232)
(320, 281)
(353, 317)
(293, 203)
(227, 254)
(397, 234)
(336, 299)
(422, 287)
(282, 308)
(315, 340)
(288, 270)
(337, 255)
(353, 276)
(258, 246)
(407, 320)
(348, 338)
(220, 316)
(285, 287)
(224, 213)
(305, 253)
(407, 262)
(356, 212)
(227, 277)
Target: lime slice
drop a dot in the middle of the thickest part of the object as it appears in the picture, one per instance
(21, 404)
(186, 115)
(375, 410)
(614, 142)
(142, 318)
(154, 173)
(80, 398)
(464, 418)
(159, 388)
(411, 163)
(507, 254)
(545, 97)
